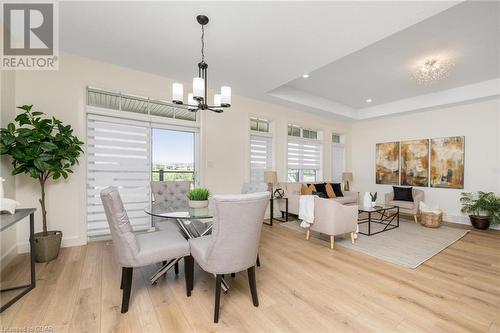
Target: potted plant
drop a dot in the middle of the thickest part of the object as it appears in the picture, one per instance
(43, 148)
(483, 207)
(374, 198)
(198, 197)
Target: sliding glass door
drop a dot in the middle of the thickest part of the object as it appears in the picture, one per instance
(173, 155)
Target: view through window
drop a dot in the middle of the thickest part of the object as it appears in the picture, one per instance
(173, 155)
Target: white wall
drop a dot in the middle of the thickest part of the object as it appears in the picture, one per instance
(224, 137)
(478, 121)
(8, 240)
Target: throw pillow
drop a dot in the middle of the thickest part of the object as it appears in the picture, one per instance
(329, 191)
(307, 190)
(402, 193)
(319, 187)
(337, 188)
(320, 194)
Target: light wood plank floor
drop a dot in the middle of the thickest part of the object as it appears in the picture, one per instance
(303, 287)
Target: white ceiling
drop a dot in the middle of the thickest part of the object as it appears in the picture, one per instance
(468, 33)
(259, 47)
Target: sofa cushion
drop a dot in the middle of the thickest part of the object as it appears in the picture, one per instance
(401, 204)
(403, 193)
(329, 191)
(307, 190)
(337, 189)
(320, 187)
(345, 200)
(320, 194)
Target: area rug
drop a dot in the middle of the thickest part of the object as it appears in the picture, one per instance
(410, 245)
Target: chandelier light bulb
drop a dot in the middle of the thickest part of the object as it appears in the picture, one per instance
(198, 87)
(177, 93)
(225, 92)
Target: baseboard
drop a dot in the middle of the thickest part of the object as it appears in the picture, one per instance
(66, 242)
(8, 256)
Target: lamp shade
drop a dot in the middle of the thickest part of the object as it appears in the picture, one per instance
(217, 100)
(347, 176)
(177, 93)
(270, 177)
(225, 92)
(198, 87)
(192, 102)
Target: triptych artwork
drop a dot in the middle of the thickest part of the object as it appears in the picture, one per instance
(436, 162)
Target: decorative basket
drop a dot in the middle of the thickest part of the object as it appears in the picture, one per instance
(431, 220)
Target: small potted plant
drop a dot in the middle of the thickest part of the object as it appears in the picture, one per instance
(43, 148)
(198, 197)
(483, 208)
(374, 198)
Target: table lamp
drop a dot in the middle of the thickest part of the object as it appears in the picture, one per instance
(271, 178)
(346, 177)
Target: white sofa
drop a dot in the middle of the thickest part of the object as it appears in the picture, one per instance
(292, 192)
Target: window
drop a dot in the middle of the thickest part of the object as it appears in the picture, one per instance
(335, 138)
(259, 125)
(297, 131)
(126, 149)
(338, 162)
(173, 155)
(118, 152)
(303, 160)
(135, 104)
(261, 149)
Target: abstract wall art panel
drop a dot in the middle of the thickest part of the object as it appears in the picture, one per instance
(447, 162)
(387, 163)
(415, 162)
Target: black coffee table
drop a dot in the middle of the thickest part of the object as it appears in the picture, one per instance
(386, 215)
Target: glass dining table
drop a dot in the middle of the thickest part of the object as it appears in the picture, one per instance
(193, 222)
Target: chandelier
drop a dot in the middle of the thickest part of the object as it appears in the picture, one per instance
(431, 70)
(197, 100)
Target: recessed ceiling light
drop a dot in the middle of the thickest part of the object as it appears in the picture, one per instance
(369, 100)
(305, 76)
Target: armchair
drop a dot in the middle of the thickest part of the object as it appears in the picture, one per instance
(407, 207)
(333, 218)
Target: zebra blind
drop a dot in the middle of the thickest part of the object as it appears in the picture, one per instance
(118, 154)
(338, 162)
(303, 154)
(261, 157)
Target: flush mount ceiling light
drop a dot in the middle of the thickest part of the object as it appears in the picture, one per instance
(197, 100)
(369, 100)
(305, 76)
(433, 69)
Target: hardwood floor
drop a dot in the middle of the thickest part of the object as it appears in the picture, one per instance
(303, 287)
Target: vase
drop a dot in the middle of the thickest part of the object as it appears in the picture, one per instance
(374, 203)
(198, 203)
(367, 200)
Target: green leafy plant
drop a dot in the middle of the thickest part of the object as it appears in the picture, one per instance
(41, 147)
(198, 194)
(486, 203)
(374, 196)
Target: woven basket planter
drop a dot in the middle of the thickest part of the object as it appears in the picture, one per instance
(431, 220)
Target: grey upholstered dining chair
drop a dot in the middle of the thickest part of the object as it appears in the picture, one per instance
(143, 249)
(234, 242)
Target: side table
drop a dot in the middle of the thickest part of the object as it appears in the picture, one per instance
(271, 211)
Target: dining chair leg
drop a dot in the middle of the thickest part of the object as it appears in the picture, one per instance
(353, 239)
(332, 242)
(127, 273)
(176, 268)
(123, 276)
(218, 282)
(258, 261)
(189, 273)
(253, 285)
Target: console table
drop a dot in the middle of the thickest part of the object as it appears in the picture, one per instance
(7, 221)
